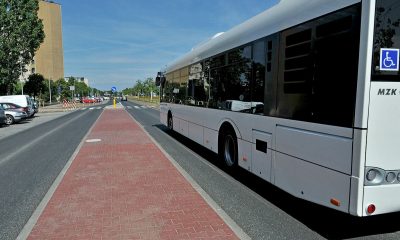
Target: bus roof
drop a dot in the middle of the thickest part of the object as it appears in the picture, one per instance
(283, 15)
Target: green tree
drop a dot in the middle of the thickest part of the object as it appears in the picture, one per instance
(150, 87)
(45, 96)
(138, 88)
(127, 91)
(81, 88)
(35, 85)
(21, 33)
(62, 89)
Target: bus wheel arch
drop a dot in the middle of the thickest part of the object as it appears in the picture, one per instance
(170, 121)
(228, 145)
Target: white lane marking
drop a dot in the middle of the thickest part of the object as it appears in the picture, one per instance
(136, 107)
(93, 140)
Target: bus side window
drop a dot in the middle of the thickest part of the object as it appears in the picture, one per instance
(318, 67)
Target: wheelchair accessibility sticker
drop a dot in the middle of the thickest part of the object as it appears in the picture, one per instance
(389, 59)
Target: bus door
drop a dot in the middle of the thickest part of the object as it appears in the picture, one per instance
(264, 84)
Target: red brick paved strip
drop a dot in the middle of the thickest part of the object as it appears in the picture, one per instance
(124, 187)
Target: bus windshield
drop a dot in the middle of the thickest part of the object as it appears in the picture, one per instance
(386, 41)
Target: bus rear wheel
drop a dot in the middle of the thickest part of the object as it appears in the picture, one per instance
(229, 149)
(170, 122)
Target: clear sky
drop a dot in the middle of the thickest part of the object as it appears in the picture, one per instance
(116, 42)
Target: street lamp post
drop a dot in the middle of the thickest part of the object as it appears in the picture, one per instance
(50, 90)
(22, 78)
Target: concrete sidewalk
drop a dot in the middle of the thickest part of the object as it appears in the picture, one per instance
(122, 186)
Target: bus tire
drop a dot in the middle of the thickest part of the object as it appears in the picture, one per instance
(170, 122)
(229, 148)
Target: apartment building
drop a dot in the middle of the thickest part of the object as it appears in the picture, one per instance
(49, 59)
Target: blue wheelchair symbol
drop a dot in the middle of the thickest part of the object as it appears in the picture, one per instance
(389, 59)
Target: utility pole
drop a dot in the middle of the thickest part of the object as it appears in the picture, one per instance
(50, 90)
(22, 78)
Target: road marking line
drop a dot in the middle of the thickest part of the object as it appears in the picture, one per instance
(136, 107)
(94, 140)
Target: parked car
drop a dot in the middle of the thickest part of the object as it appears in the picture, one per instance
(14, 116)
(13, 106)
(22, 100)
(2, 117)
(14, 113)
(35, 106)
(87, 100)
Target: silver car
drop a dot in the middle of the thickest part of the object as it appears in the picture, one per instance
(14, 113)
(13, 116)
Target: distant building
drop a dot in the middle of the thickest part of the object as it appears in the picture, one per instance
(49, 59)
(78, 79)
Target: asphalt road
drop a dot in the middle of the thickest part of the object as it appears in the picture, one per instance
(40, 117)
(31, 159)
(260, 209)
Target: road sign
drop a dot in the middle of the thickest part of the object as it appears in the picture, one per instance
(72, 88)
(113, 89)
(389, 59)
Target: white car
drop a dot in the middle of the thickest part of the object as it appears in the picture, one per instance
(22, 100)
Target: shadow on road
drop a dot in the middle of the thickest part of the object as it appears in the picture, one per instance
(327, 222)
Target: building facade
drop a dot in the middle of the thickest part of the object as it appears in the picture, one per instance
(49, 59)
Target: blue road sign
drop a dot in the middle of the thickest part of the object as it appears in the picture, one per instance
(389, 59)
(113, 89)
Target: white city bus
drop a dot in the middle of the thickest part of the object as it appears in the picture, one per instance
(305, 95)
